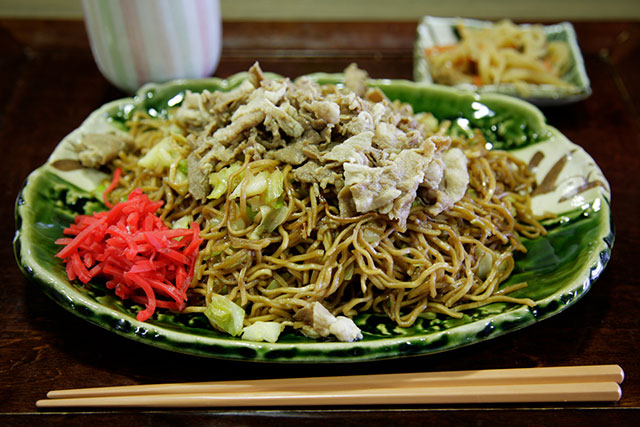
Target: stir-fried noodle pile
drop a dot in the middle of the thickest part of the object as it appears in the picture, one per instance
(273, 243)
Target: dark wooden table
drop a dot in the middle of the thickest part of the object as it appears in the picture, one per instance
(49, 84)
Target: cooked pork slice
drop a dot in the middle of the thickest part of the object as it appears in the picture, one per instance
(192, 114)
(391, 187)
(434, 173)
(372, 188)
(389, 137)
(356, 79)
(454, 182)
(292, 154)
(345, 329)
(303, 91)
(214, 150)
(252, 147)
(323, 323)
(327, 111)
(260, 109)
(223, 100)
(311, 150)
(411, 167)
(316, 316)
(352, 150)
(346, 205)
(374, 94)
(285, 118)
(198, 181)
(441, 142)
(363, 122)
(242, 122)
(255, 76)
(97, 149)
(312, 172)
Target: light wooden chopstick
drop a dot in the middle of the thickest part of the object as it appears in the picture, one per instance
(552, 384)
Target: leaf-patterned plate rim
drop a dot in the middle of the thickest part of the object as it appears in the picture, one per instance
(576, 189)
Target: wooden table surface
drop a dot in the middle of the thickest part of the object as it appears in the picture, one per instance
(49, 84)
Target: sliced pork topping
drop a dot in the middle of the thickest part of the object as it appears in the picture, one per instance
(353, 150)
(97, 149)
(454, 182)
(312, 172)
(371, 153)
(321, 323)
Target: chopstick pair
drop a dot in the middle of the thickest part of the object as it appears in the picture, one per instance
(552, 384)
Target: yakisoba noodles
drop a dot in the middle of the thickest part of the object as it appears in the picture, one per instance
(312, 198)
(502, 53)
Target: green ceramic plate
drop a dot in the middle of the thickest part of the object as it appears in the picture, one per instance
(436, 31)
(560, 267)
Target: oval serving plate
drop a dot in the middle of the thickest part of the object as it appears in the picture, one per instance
(559, 267)
(438, 31)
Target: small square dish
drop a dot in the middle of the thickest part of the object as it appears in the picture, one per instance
(539, 63)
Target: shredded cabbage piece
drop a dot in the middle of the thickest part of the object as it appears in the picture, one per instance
(161, 156)
(225, 315)
(220, 180)
(262, 331)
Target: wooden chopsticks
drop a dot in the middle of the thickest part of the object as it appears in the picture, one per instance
(553, 384)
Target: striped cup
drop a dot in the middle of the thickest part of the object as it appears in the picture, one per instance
(140, 41)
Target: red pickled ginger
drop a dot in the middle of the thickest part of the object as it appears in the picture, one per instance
(140, 257)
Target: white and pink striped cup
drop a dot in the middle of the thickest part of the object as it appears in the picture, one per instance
(140, 41)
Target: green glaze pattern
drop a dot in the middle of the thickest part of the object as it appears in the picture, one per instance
(434, 31)
(559, 267)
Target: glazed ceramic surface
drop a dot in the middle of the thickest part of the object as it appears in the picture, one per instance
(435, 31)
(559, 268)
